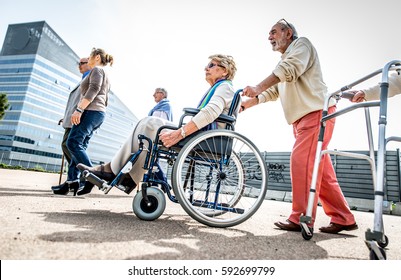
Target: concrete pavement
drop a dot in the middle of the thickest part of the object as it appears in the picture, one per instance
(37, 225)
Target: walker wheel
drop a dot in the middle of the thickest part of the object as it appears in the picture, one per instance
(383, 244)
(305, 234)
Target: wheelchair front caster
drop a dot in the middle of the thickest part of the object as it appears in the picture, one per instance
(151, 209)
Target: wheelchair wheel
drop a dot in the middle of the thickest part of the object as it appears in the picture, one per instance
(152, 210)
(238, 191)
(219, 178)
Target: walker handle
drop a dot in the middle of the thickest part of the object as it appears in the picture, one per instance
(347, 95)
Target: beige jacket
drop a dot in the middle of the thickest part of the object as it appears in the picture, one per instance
(301, 88)
(394, 88)
(219, 104)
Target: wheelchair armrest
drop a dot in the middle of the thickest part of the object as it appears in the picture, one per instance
(191, 111)
(224, 118)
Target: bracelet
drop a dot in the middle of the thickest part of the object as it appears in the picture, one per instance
(182, 132)
(79, 110)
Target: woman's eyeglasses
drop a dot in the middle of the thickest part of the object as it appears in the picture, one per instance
(211, 65)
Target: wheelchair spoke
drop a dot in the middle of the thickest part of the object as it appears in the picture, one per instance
(221, 189)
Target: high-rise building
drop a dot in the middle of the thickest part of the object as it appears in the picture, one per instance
(38, 70)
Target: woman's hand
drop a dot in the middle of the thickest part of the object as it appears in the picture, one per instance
(170, 137)
(76, 118)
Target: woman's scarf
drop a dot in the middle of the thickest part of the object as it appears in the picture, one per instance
(205, 100)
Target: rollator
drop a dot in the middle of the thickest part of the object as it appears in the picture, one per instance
(209, 177)
(376, 240)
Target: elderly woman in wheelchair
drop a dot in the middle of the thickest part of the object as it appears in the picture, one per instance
(209, 167)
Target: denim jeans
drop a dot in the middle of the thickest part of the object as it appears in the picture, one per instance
(78, 141)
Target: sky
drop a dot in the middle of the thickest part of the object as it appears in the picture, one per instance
(166, 43)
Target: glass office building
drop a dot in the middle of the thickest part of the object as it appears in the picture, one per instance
(37, 72)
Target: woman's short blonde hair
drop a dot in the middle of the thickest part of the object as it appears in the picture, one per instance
(226, 61)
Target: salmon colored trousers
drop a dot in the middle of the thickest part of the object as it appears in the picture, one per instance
(328, 191)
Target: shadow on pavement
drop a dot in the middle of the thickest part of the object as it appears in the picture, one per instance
(46, 193)
(187, 238)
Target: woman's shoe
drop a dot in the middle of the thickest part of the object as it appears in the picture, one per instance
(65, 188)
(107, 176)
(85, 188)
(74, 187)
(62, 189)
(129, 184)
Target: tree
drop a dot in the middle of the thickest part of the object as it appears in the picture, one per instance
(3, 104)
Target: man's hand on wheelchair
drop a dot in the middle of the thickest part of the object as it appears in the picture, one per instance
(245, 104)
(170, 137)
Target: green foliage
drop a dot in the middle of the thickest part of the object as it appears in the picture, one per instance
(3, 104)
(37, 168)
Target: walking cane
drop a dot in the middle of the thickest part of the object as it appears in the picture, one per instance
(62, 159)
(61, 169)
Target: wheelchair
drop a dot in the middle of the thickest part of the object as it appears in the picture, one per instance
(209, 177)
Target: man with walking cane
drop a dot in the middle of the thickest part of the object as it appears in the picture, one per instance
(73, 99)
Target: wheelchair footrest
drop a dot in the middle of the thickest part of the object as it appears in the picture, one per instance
(90, 177)
(101, 184)
(220, 207)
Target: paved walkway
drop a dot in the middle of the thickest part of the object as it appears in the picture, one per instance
(35, 225)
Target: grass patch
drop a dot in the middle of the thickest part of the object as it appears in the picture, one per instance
(37, 168)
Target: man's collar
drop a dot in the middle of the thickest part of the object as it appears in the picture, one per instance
(85, 74)
(290, 46)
